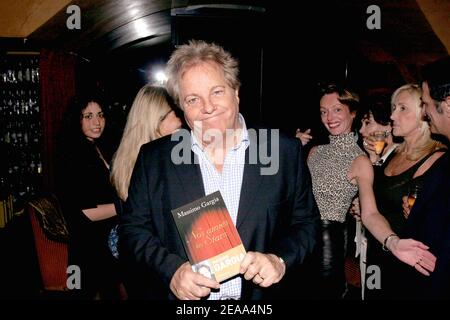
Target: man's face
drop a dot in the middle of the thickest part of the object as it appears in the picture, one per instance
(207, 100)
(433, 112)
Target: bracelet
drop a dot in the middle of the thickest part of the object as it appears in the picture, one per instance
(384, 247)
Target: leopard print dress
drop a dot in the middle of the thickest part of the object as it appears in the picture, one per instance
(329, 166)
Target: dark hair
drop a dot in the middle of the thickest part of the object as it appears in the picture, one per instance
(380, 108)
(345, 95)
(437, 76)
(71, 126)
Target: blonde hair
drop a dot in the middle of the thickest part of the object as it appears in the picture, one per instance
(149, 108)
(194, 53)
(425, 144)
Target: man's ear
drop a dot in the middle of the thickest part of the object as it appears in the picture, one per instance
(446, 106)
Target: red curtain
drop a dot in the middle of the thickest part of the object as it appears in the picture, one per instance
(57, 78)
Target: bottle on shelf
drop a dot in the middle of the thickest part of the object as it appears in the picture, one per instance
(20, 127)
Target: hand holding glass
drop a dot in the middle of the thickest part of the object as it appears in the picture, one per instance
(412, 196)
(380, 140)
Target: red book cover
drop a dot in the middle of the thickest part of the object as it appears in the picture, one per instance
(210, 238)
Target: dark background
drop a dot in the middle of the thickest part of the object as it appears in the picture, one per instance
(285, 48)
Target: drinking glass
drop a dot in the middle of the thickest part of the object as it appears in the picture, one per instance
(412, 195)
(380, 140)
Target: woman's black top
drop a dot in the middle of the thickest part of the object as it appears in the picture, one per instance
(83, 183)
(389, 191)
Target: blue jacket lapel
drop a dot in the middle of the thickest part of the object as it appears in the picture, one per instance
(251, 181)
(190, 179)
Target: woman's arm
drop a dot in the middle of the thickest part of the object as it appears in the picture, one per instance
(409, 251)
(372, 219)
(103, 211)
(311, 152)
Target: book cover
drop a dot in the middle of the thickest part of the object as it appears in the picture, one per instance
(210, 238)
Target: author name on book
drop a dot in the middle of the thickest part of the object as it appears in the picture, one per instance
(204, 204)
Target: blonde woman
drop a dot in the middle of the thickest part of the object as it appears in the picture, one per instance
(410, 160)
(151, 117)
(400, 172)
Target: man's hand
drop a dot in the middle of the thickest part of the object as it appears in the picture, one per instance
(263, 269)
(406, 208)
(355, 209)
(414, 253)
(304, 137)
(189, 285)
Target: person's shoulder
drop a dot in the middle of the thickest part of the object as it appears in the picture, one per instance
(363, 160)
(442, 159)
(288, 139)
(312, 151)
(362, 163)
(440, 167)
(163, 147)
(445, 159)
(288, 146)
(272, 135)
(161, 144)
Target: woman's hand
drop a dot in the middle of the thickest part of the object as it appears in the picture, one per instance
(369, 146)
(413, 253)
(304, 137)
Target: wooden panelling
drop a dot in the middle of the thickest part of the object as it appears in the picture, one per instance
(20, 18)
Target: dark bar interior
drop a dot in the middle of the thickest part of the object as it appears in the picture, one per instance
(285, 50)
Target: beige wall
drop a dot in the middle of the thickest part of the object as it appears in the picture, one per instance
(19, 18)
(437, 13)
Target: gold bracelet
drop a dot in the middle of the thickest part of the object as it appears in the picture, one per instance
(384, 247)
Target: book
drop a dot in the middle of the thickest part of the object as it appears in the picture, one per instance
(210, 238)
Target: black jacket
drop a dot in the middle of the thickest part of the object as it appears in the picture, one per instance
(277, 213)
(429, 222)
